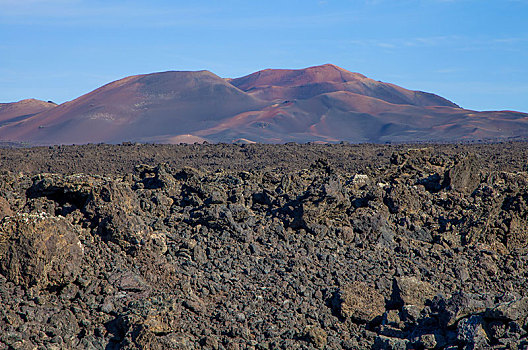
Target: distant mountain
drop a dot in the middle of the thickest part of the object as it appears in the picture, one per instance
(320, 104)
(271, 84)
(154, 107)
(16, 111)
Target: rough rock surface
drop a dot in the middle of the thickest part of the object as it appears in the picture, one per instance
(410, 291)
(38, 250)
(359, 302)
(384, 247)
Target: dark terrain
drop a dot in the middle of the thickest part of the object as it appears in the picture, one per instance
(264, 247)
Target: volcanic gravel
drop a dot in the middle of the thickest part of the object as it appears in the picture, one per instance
(264, 247)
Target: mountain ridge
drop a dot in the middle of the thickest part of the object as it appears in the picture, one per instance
(316, 104)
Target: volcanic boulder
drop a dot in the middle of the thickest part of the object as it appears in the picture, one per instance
(359, 302)
(37, 250)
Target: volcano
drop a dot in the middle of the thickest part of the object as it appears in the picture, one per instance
(16, 111)
(316, 104)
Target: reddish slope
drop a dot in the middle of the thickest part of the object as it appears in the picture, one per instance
(291, 84)
(324, 103)
(348, 116)
(11, 112)
(144, 107)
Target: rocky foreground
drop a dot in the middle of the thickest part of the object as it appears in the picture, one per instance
(234, 247)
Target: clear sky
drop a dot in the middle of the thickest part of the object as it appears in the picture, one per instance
(473, 52)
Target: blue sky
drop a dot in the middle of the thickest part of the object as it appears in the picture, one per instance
(473, 52)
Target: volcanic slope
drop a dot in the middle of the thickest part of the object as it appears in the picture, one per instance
(161, 107)
(319, 104)
(328, 103)
(16, 111)
(298, 84)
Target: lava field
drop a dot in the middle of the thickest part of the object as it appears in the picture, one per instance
(222, 246)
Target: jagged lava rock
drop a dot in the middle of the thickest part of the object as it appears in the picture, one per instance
(359, 302)
(37, 250)
(409, 290)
